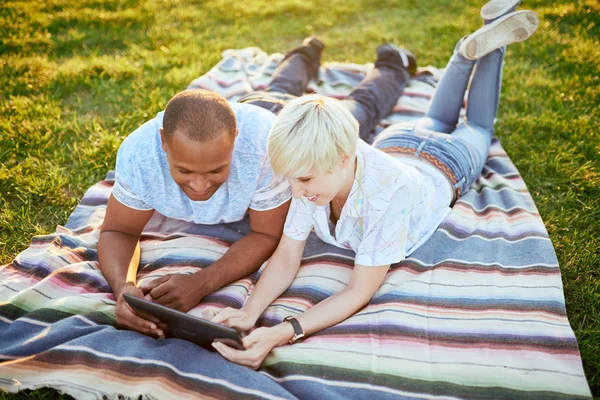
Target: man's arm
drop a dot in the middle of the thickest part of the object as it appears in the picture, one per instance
(119, 257)
(245, 256)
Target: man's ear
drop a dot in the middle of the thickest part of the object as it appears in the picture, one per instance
(163, 139)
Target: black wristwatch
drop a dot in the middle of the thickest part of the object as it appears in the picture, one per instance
(298, 332)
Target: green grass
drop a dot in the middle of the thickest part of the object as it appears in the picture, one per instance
(77, 76)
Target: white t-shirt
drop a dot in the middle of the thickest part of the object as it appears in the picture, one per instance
(143, 181)
(391, 210)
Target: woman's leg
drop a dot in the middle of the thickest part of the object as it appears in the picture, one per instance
(448, 99)
(462, 154)
(486, 84)
(482, 105)
(444, 110)
(484, 92)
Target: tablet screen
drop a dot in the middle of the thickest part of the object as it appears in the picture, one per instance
(185, 326)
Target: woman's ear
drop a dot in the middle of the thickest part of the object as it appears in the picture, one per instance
(346, 160)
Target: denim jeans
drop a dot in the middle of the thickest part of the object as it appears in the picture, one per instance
(460, 152)
(372, 100)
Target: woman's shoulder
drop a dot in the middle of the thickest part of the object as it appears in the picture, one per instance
(380, 166)
(383, 176)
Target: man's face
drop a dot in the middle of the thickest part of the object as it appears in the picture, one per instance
(198, 168)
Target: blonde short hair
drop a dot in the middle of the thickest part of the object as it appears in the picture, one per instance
(311, 135)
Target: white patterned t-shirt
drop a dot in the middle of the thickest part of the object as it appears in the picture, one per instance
(391, 210)
(143, 181)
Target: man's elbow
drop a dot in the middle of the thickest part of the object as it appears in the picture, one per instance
(111, 231)
(270, 237)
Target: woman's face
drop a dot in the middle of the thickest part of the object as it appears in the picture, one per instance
(321, 188)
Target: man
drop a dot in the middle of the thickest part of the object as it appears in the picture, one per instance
(204, 161)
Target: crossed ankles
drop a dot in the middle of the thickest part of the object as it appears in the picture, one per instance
(495, 9)
(509, 28)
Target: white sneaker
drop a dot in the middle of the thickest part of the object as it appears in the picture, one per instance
(497, 8)
(511, 28)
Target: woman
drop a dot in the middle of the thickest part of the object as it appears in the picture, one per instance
(362, 198)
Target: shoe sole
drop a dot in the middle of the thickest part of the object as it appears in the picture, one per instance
(497, 8)
(512, 28)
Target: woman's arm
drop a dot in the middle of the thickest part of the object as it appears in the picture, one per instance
(363, 284)
(274, 280)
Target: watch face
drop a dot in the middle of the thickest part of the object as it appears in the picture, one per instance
(298, 331)
(297, 337)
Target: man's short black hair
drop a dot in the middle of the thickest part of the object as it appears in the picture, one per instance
(199, 114)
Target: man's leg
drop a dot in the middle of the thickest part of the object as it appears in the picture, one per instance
(374, 98)
(290, 78)
(298, 68)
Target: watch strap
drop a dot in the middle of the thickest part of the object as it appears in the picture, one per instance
(298, 331)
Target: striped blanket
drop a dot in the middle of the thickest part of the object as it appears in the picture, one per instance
(485, 318)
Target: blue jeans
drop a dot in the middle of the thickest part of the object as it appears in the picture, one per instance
(460, 152)
(372, 99)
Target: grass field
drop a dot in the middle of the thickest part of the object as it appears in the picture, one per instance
(77, 76)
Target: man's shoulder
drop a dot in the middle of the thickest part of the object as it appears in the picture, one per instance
(139, 153)
(144, 135)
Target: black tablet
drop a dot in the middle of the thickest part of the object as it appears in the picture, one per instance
(185, 326)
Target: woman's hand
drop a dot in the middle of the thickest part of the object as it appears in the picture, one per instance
(241, 320)
(258, 345)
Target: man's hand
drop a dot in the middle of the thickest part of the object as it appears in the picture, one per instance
(128, 318)
(179, 291)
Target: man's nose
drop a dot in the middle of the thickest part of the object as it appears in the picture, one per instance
(199, 184)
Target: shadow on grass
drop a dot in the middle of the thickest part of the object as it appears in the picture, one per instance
(39, 394)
